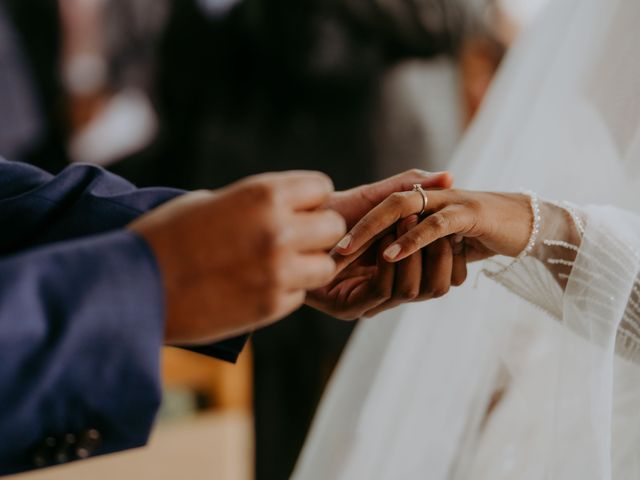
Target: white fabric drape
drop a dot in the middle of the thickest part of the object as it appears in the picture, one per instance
(411, 396)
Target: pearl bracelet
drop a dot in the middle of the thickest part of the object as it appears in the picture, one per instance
(535, 224)
(531, 243)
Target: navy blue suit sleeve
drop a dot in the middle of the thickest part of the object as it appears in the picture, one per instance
(80, 350)
(81, 316)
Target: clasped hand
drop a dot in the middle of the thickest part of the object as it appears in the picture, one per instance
(238, 258)
(391, 256)
(242, 257)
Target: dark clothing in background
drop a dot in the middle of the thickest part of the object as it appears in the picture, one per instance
(18, 106)
(36, 28)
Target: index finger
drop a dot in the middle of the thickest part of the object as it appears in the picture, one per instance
(303, 190)
(395, 207)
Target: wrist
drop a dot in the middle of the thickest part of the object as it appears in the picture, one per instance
(510, 223)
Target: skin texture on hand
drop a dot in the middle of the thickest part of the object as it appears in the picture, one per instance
(366, 282)
(241, 257)
(430, 254)
(491, 223)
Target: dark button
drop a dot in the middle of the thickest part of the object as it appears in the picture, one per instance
(44, 453)
(40, 459)
(62, 454)
(66, 451)
(88, 443)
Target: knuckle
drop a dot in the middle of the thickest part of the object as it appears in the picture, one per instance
(407, 293)
(472, 204)
(411, 241)
(396, 200)
(261, 193)
(459, 280)
(426, 294)
(440, 291)
(336, 222)
(439, 221)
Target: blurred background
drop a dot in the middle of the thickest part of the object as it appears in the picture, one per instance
(200, 93)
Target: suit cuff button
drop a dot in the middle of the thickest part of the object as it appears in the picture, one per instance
(42, 455)
(88, 443)
(65, 452)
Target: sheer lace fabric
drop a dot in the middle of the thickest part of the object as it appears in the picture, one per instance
(600, 275)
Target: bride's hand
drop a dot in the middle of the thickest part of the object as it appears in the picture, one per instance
(366, 283)
(491, 223)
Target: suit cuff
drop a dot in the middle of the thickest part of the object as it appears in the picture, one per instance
(227, 350)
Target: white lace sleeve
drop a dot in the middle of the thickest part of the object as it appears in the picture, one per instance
(605, 277)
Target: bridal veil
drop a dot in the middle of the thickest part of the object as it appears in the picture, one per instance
(482, 384)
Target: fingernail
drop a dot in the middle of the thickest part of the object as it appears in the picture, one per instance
(392, 252)
(457, 238)
(345, 242)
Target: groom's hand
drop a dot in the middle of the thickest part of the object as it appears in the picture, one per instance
(366, 283)
(243, 256)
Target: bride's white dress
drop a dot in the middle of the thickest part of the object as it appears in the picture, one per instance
(482, 384)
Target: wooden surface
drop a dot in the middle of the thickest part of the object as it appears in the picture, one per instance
(227, 386)
(212, 446)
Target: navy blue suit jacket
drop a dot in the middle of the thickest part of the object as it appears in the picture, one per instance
(81, 316)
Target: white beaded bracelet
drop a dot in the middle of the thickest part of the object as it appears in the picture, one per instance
(531, 243)
(535, 224)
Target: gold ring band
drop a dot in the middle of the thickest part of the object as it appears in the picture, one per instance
(418, 188)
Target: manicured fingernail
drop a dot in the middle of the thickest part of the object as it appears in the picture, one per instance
(392, 252)
(345, 242)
